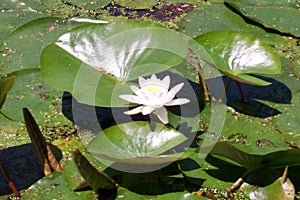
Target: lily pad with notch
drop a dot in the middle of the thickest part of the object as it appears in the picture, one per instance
(238, 55)
(138, 143)
(106, 57)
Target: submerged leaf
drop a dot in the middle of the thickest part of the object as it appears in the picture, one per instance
(5, 86)
(41, 147)
(95, 178)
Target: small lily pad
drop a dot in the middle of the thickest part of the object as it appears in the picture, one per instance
(137, 142)
(238, 54)
(281, 189)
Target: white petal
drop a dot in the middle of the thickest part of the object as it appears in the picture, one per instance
(141, 81)
(147, 110)
(134, 88)
(162, 114)
(166, 82)
(138, 92)
(131, 98)
(134, 111)
(153, 77)
(171, 94)
(176, 102)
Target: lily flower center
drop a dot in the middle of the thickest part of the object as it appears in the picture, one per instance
(153, 88)
(154, 94)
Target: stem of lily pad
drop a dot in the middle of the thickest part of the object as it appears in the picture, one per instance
(243, 99)
(226, 88)
(282, 180)
(202, 83)
(10, 182)
(238, 183)
(227, 84)
(235, 185)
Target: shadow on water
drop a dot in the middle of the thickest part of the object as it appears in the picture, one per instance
(277, 92)
(162, 181)
(95, 119)
(22, 166)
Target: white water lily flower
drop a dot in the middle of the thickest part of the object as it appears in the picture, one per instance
(153, 95)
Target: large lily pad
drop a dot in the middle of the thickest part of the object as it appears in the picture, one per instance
(288, 122)
(100, 59)
(280, 15)
(238, 54)
(216, 17)
(32, 6)
(24, 45)
(54, 186)
(252, 162)
(137, 142)
(29, 91)
(9, 21)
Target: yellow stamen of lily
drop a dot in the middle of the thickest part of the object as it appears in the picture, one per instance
(154, 88)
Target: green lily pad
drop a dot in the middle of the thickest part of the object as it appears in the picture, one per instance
(288, 122)
(5, 86)
(280, 15)
(137, 4)
(9, 21)
(252, 162)
(24, 45)
(95, 4)
(238, 54)
(95, 178)
(54, 186)
(72, 175)
(137, 142)
(218, 16)
(29, 91)
(32, 6)
(295, 67)
(100, 59)
(197, 172)
(281, 189)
